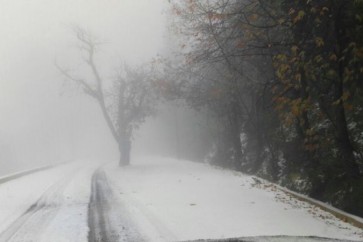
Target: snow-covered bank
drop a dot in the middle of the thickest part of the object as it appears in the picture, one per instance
(180, 200)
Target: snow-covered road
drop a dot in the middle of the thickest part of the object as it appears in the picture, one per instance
(50, 205)
(155, 199)
(107, 217)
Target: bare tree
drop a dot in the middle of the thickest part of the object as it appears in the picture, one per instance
(124, 106)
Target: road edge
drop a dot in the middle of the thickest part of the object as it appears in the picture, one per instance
(16, 175)
(338, 213)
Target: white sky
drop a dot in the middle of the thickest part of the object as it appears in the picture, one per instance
(36, 122)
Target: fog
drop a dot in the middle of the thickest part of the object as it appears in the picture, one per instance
(175, 120)
(45, 119)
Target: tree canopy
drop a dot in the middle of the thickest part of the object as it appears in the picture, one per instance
(284, 81)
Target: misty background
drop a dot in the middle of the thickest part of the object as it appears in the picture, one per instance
(45, 119)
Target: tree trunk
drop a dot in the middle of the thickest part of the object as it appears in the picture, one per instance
(342, 137)
(125, 150)
(236, 137)
(341, 128)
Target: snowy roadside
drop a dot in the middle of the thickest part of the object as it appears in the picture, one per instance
(315, 207)
(172, 200)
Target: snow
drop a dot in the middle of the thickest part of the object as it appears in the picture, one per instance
(327, 207)
(15, 175)
(175, 200)
(71, 220)
(165, 199)
(62, 193)
(18, 195)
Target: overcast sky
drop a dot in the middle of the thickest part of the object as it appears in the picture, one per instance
(41, 118)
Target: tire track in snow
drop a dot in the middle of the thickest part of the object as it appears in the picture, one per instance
(108, 220)
(30, 225)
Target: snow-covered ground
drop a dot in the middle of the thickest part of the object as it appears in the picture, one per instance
(50, 205)
(155, 199)
(173, 200)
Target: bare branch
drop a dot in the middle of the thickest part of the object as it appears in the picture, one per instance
(86, 87)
